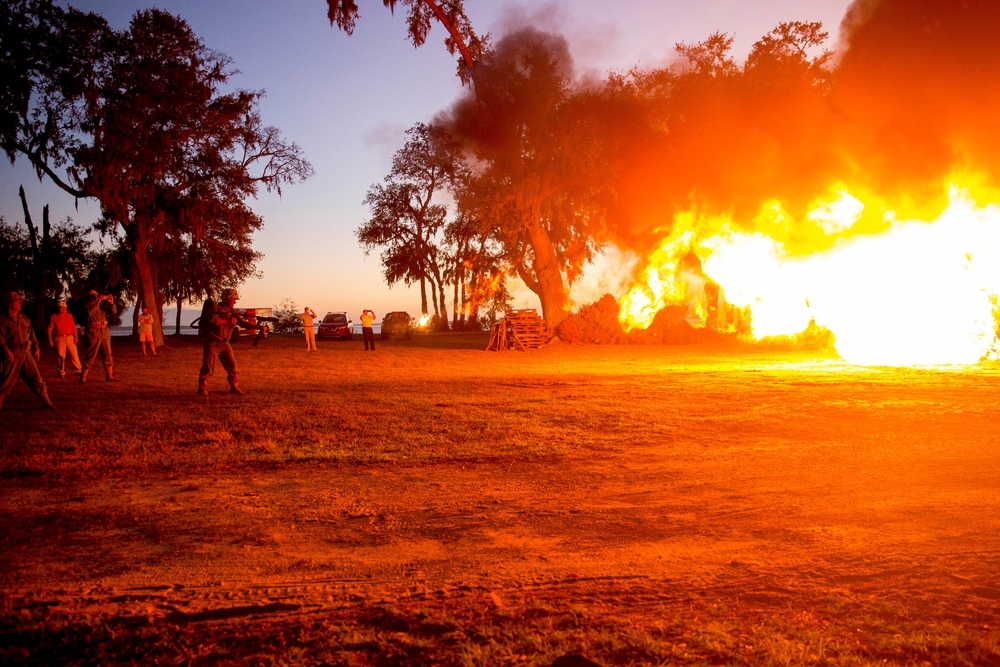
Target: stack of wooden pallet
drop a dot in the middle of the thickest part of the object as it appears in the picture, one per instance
(519, 330)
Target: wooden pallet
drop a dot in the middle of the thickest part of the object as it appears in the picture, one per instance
(519, 330)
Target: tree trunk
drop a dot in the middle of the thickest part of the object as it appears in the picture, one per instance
(550, 288)
(455, 304)
(38, 316)
(423, 296)
(442, 297)
(161, 301)
(177, 320)
(439, 295)
(147, 288)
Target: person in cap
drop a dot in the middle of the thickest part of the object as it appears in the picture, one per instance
(146, 332)
(98, 337)
(63, 335)
(19, 350)
(216, 343)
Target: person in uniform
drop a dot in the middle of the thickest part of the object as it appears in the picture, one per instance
(146, 332)
(98, 337)
(63, 335)
(308, 316)
(216, 343)
(19, 351)
(367, 331)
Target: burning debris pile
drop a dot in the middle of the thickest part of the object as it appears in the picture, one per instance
(800, 195)
(600, 324)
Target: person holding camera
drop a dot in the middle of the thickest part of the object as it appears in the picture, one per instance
(98, 337)
(367, 332)
(307, 317)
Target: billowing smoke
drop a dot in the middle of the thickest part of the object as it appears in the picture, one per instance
(918, 86)
(505, 91)
(912, 100)
(906, 100)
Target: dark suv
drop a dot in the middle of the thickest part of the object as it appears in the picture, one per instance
(335, 325)
(397, 323)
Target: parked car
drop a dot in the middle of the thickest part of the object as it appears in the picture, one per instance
(397, 323)
(336, 325)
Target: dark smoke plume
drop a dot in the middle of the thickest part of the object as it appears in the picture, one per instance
(918, 85)
(912, 98)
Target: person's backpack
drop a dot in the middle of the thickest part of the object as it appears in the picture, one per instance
(205, 321)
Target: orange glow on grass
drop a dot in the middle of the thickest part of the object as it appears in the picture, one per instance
(896, 292)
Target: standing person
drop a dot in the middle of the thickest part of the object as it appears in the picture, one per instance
(216, 343)
(367, 319)
(146, 332)
(63, 335)
(98, 337)
(19, 351)
(307, 328)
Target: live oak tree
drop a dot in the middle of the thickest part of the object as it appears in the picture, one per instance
(170, 149)
(476, 270)
(139, 123)
(543, 149)
(199, 262)
(408, 214)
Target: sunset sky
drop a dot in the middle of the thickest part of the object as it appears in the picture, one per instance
(346, 101)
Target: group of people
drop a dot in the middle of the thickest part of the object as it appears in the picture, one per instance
(308, 318)
(21, 350)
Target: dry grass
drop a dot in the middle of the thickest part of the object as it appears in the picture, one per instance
(659, 506)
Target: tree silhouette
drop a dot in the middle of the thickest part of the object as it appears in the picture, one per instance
(542, 167)
(450, 13)
(407, 215)
(48, 262)
(139, 118)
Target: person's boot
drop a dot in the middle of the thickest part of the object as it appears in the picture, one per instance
(234, 386)
(203, 387)
(44, 395)
(83, 376)
(110, 376)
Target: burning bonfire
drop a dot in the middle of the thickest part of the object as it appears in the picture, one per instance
(916, 292)
(880, 235)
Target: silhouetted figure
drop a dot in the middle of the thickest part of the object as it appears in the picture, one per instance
(223, 318)
(98, 337)
(19, 351)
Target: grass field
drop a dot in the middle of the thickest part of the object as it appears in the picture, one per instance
(434, 503)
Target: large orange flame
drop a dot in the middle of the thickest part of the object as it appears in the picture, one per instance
(918, 293)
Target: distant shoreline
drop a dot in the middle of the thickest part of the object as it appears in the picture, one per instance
(170, 330)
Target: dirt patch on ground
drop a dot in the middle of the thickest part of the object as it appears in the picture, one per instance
(766, 491)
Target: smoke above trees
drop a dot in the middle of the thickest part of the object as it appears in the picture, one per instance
(561, 165)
